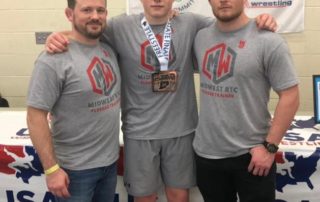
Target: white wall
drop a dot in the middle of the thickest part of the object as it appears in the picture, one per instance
(20, 19)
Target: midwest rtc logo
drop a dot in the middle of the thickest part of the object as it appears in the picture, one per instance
(102, 76)
(149, 60)
(219, 62)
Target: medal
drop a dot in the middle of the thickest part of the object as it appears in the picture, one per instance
(164, 81)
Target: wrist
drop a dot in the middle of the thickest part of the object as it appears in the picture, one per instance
(270, 147)
(52, 169)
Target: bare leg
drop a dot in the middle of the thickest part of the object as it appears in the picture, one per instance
(150, 198)
(177, 195)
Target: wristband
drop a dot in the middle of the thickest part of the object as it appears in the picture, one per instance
(52, 169)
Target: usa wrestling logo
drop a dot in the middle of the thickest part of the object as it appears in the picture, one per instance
(268, 4)
(298, 167)
(21, 164)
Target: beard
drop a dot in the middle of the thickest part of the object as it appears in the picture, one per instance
(87, 32)
(227, 18)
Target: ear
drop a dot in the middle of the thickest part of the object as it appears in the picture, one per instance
(69, 14)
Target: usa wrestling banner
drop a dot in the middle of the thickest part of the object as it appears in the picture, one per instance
(288, 13)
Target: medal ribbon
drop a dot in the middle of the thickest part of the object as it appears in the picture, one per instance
(163, 53)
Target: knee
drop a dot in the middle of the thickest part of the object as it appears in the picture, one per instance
(177, 195)
(150, 198)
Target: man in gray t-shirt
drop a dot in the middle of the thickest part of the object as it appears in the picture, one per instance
(158, 127)
(234, 143)
(81, 90)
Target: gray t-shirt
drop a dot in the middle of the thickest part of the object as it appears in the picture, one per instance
(147, 114)
(81, 88)
(238, 70)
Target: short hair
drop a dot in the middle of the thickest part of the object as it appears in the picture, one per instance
(72, 3)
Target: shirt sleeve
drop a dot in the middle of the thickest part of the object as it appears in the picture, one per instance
(279, 65)
(45, 87)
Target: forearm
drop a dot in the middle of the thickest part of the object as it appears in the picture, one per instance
(41, 136)
(285, 111)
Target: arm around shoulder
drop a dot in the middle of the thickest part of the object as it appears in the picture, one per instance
(57, 42)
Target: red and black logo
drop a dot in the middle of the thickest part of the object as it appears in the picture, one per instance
(218, 63)
(149, 60)
(102, 76)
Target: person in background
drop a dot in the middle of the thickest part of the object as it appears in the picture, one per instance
(81, 90)
(235, 145)
(3, 101)
(159, 109)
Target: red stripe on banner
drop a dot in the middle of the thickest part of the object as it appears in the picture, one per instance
(7, 159)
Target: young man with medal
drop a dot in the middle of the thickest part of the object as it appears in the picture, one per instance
(159, 109)
(235, 143)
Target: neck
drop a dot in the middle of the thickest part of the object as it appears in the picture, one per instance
(234, 24)
(157, 20)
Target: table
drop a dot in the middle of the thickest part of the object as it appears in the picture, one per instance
(22, 178)
(21, 174)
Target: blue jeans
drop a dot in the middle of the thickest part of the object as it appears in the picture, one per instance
(92, 185)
